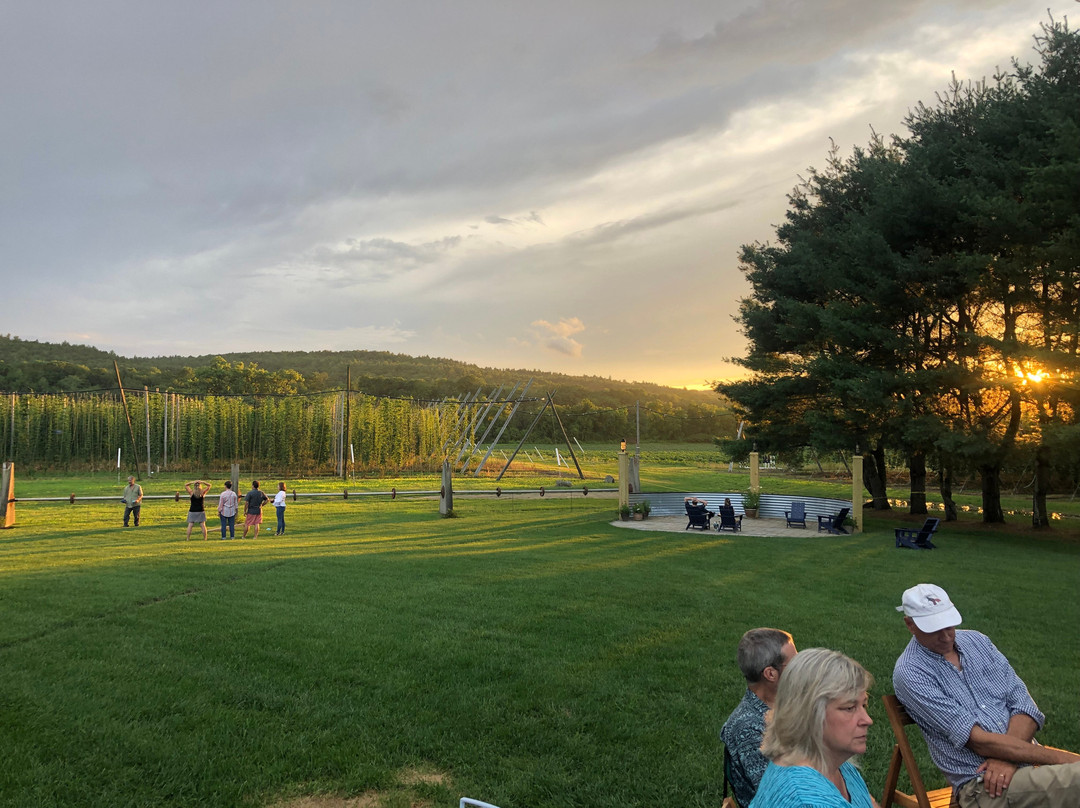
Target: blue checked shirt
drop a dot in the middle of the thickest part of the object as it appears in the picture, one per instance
(947, 703)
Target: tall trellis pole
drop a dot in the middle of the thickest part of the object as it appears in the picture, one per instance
(478, 418)
(348, 425)
(462, 411)
(491, 423)
(127, 415)
(548, 402)
(498, 437)
(146, 397)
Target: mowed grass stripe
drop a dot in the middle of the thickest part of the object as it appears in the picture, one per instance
(530, 655)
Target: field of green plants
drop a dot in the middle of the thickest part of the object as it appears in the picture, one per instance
(527, 652)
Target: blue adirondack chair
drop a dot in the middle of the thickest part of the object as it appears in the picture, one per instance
(796, 517)
(918, 539)
(833, 524)
(697, 516)
(728, 519)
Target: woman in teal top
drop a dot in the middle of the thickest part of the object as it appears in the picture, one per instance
(818, 723)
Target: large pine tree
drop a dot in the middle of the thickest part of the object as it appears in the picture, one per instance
(923, 294)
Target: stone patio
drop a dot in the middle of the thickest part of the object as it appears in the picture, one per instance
(750, 527)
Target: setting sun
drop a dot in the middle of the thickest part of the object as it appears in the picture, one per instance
(1033, 376)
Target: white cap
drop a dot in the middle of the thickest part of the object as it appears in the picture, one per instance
(929, 606)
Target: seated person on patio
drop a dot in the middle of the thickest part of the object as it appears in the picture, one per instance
(697, 506)
(976, 714)
(762, 655)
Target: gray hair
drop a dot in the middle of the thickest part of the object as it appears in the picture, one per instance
(817, 676)
(759, 649)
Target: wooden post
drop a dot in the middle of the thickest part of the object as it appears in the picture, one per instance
(856, 493)
(755, 477)
(446, 497)
(7, 496)
(624, 476)
(634, 476)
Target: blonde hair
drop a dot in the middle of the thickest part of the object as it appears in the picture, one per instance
(815, 677)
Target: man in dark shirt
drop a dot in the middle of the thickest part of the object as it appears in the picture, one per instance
(762, 656)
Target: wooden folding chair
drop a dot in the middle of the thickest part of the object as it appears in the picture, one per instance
(938, 798)
(729, 799)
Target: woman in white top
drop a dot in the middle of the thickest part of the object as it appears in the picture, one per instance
(279, 506)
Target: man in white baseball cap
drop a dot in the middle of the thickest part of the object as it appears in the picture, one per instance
(976, 714)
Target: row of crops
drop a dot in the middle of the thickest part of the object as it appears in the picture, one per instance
(306, 434)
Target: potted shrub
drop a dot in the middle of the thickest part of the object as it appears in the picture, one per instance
(751, 501)
(646, 508)
(639, 512)
(624, 512)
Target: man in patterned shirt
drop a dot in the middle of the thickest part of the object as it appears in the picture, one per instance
(762, 655)
(976, 714)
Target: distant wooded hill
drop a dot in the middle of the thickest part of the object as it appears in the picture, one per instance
(42, 367)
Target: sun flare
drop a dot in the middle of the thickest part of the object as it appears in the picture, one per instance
(1033, 376)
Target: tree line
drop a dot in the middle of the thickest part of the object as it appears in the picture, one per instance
(599, 409)
(922, 298)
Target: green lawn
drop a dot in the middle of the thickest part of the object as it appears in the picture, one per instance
(526, 652)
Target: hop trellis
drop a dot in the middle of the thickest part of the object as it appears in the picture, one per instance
(307, 434)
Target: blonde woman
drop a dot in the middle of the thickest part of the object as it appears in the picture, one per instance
(817, 724)
(196, 511)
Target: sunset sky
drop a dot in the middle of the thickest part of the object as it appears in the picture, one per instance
(561, 185)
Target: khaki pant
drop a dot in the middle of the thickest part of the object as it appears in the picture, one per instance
(1055, 786)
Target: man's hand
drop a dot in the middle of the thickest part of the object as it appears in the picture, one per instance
(995, 746)
(997, 774)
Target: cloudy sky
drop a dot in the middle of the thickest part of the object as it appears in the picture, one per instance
(553, 185)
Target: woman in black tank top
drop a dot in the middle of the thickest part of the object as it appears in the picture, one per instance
(197, 511)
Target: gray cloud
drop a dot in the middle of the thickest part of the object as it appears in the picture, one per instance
(432, 178)
(613, 231)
